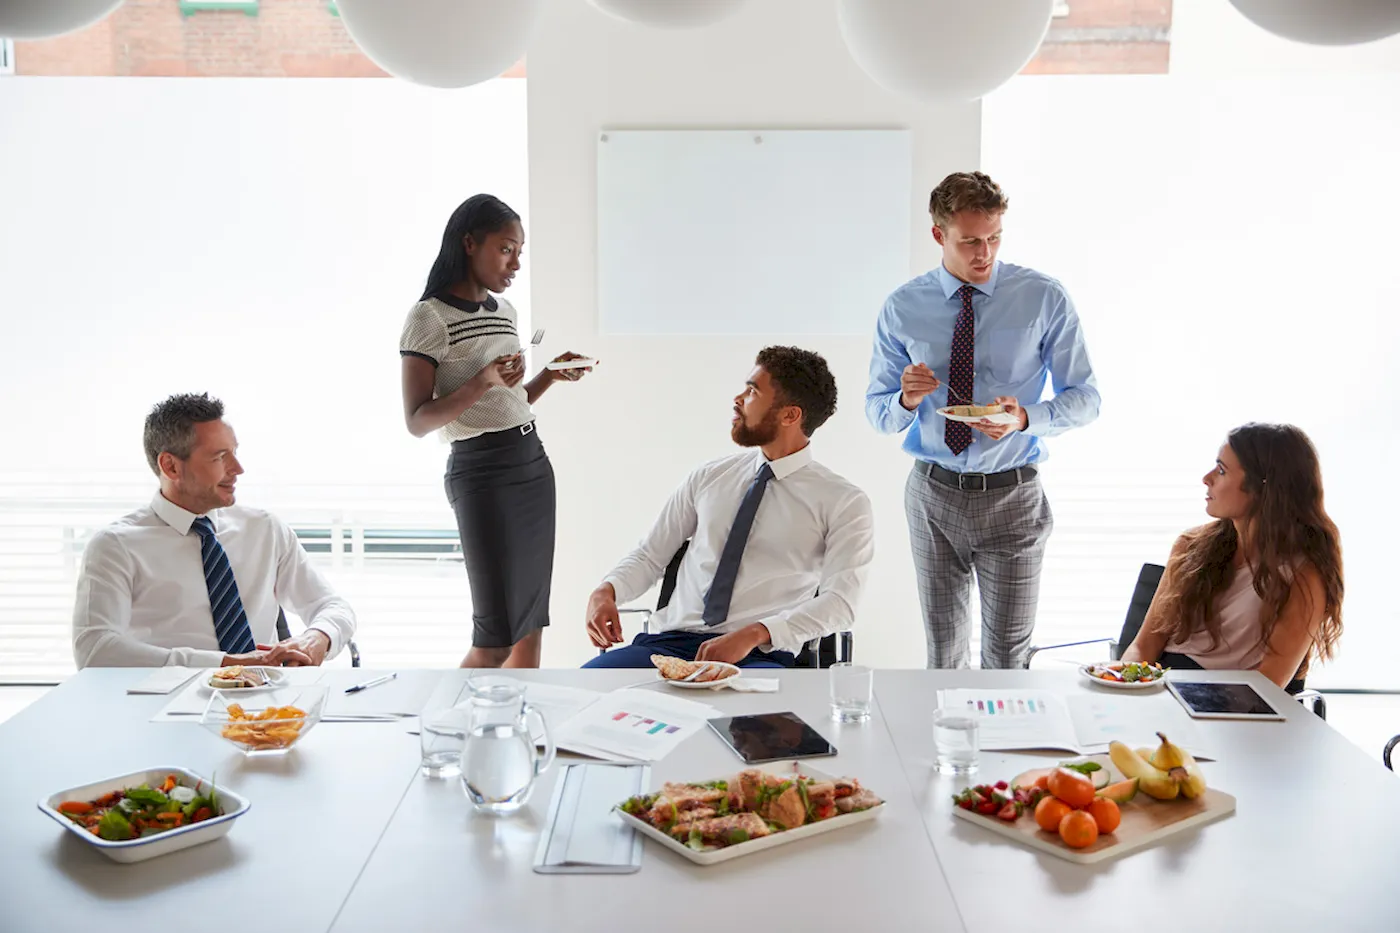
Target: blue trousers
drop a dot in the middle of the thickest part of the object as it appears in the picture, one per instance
(682, 645)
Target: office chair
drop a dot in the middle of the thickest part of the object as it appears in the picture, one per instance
(1149, 578)
(817, 653)
(284, 632)
(1390, 747)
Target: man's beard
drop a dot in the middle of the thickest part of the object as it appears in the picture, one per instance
(765, 432)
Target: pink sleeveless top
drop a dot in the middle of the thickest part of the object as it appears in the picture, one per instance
(1239, 649)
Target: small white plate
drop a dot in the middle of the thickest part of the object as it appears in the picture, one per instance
(692, 685)
(276, 677)
(138, 850)
(1118, 684)
(571, 364)
(998, 418)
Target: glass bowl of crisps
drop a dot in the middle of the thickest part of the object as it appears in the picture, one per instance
(268, 723)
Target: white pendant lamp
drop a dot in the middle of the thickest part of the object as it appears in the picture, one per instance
(442, 43)
(943, 50)
(1324, 22)
(44, 19)
(671, 14)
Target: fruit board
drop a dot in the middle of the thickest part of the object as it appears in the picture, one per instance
(1145, 821)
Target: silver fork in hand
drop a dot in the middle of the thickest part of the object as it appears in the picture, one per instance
(535, 341)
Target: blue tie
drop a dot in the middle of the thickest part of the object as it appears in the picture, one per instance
(230, 621)
(722, 589)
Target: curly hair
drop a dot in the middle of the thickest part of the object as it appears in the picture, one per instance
(802, 379)
(1291, 528)
(170, 426)
(966, 191)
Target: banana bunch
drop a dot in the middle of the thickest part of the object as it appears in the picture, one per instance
(1166, 773)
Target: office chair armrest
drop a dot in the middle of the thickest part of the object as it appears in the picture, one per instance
(646, 621)
(354, 653)
(1390, 747)
(845, 646)
(1313, 701)
(1036, 649)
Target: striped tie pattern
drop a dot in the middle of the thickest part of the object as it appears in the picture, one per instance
(727, 572)
(230, 621)
(957, 434)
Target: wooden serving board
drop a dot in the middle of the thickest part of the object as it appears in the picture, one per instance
(1146, 820)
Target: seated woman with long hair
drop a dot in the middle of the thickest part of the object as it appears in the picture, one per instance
(1260, 588)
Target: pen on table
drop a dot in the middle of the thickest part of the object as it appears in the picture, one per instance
(370, 683)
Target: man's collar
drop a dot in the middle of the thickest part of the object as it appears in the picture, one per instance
(786, 466)
(951, 283)
(172, 514)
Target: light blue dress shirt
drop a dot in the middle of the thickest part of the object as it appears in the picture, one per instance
(1024, 329)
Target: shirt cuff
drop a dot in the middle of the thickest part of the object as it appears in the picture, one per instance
(780, 635)
(331, 633)
(900, 416)
(1037, 418)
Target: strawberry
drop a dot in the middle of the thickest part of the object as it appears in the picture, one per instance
(1009, 812)
(987, 807)
(1001, 785)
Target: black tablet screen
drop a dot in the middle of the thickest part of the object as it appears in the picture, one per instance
(1232, 699)
(771, 737)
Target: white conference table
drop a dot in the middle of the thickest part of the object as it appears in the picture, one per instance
(345, 835)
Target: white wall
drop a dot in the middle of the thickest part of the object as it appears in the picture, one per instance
(657, 407)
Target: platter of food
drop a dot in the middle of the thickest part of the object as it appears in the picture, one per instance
(709, 822)
(139, 816)
(1101, 807)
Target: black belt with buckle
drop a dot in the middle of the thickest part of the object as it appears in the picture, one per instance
(976, 482)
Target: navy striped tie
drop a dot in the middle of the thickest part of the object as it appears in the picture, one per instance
(230, 621)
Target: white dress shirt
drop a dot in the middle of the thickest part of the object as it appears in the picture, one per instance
(143, 601)
(811, 544)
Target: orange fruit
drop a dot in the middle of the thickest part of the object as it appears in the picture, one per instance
(1049, 812)
(1106, 814)
(1072, 787)
(1078, 829)
(1042, 782)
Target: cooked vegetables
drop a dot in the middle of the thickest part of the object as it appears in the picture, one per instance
(142, 811)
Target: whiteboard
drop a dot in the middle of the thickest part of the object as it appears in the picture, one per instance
(776, 232)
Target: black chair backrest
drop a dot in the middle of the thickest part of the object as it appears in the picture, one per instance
(668, 579)
(283, 631)
(1149, 577)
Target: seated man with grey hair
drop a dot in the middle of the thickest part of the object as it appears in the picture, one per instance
(193, 579)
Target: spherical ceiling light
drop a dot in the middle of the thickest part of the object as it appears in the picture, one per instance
(671, 14)
(44, 19)
(442, 43)
(943, 49)
(1324, 22)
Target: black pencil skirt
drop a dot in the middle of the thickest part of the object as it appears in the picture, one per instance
(501, 486)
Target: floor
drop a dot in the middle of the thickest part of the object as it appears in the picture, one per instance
(1368, 720)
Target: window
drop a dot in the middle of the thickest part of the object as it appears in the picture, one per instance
(331, 191)
(1194, 229)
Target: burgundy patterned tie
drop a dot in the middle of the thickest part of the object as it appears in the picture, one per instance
(957, 434)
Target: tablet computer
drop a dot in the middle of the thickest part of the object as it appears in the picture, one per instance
(1221, 700)
(771, 737)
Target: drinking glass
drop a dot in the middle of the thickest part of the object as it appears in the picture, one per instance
(851, 687)
(443, 735)
(955, 741)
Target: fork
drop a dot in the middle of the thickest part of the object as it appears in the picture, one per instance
(952, 394)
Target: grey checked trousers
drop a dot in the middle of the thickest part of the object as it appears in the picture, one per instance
(1000, 534)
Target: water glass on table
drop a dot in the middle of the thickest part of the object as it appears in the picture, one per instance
(851, 688)
(955, 741)
(443, 735)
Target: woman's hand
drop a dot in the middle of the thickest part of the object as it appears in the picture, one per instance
(504, 371)
(569, 375)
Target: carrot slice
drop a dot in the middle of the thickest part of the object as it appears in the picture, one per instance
(76, 807)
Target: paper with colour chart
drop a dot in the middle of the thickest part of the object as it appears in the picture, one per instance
(163, 681)
(1084, 723)
(632, 725)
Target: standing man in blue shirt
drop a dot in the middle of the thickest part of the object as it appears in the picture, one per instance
(973, 329)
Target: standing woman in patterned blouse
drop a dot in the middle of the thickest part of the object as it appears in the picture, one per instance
(464, 375)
